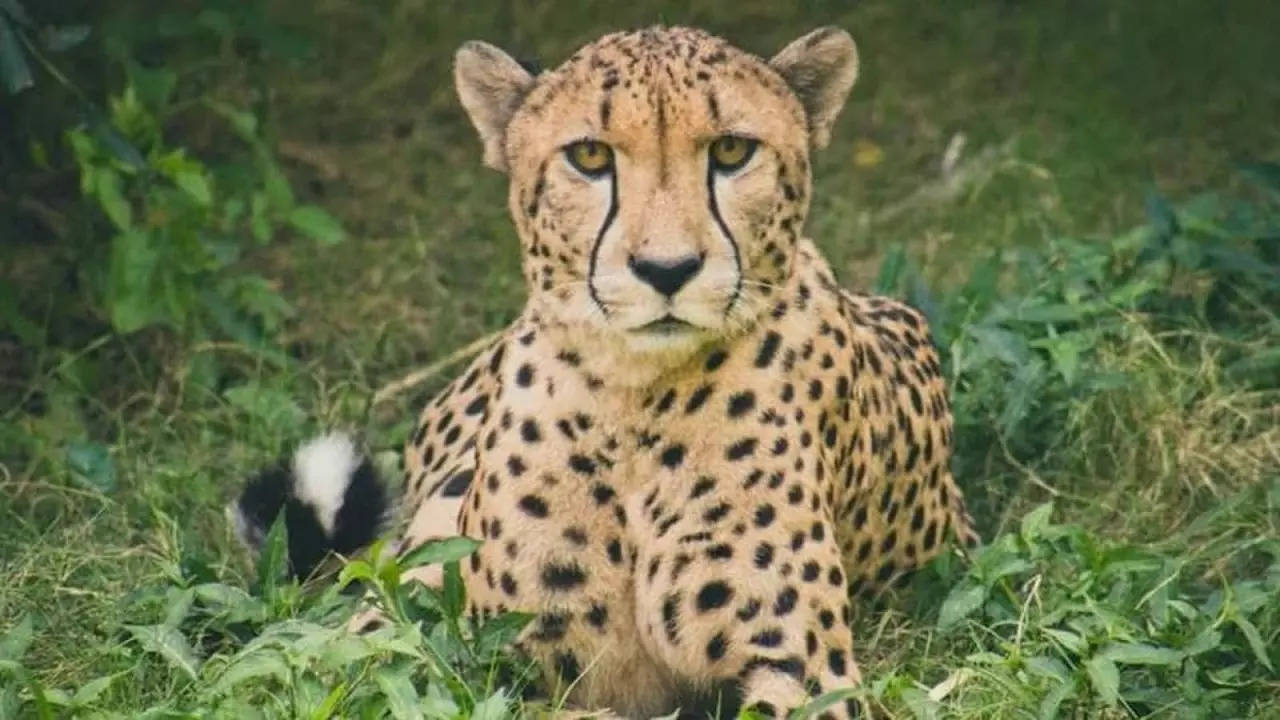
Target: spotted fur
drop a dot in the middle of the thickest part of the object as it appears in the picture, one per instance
(684, 488)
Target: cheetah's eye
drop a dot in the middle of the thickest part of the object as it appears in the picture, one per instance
(590, 157)
(730, 152)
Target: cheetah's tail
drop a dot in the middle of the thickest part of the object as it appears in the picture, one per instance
(331, 497)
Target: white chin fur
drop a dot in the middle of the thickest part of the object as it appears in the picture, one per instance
(322, 470)
(661, 345)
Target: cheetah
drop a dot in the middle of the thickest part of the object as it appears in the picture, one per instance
(692, 447)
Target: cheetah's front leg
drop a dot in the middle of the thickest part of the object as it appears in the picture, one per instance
(746, 596)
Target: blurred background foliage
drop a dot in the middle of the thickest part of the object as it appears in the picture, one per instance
(225, 223)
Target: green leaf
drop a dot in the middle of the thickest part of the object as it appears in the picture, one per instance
(1007, 347)
(1035, 522)
(1049, 667)
(355, 570)
(1053, 700)
(402, 698)
(495, 707)
(1140, 654)
(59, 39)
(1206, 640)
(110, 194)
(1256, 642)
(273, 558)
(316, 224)
(433, 552)
(154, 86)
(13, 63)
(1105, 677)
(329, 706)
(499, 632)
(90, 691)
(922, 707)
(1067, 639)
(961, 602)
(278, 192)
(454, 592)
(14, 643)
(91, 466)
(194, 183)
(271, 406)
(168, 643)
(131, 296)
(254, 665)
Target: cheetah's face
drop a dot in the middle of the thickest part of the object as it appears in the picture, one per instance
(659, 179)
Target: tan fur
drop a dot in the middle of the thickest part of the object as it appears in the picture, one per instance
(683, 511)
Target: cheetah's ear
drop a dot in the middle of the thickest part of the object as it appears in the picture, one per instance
(820, 69)
(491, 85)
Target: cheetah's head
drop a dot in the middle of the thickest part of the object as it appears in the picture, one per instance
(659, 179)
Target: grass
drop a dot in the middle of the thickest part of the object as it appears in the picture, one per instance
(1124, 460)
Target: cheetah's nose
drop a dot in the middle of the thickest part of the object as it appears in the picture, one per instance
(666, 276)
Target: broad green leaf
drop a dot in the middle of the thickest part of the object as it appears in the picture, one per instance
(922, 707)
(961, 602)
(1069, 640)
(179, 607)
(168, 643)
(1256, 643)
(495, 707)
(13, 63)
(234, 604)
(154, 86)
(193, 183)
(1052, 700)
(271, 406)
(1140, 654)
(499, 632)
(110, 194)
(91, 465)
(402, 698)
(347, 648)
(1008, 347)
(253, 666)
(355, 570)
(1105, 678)
(90, 691)
(14, 643)
(131, 295)
(1208, 639)
(106, 135)
(434, 552)
(317, 224)
(278, 192)
(1035, 522)
(1049, 667)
